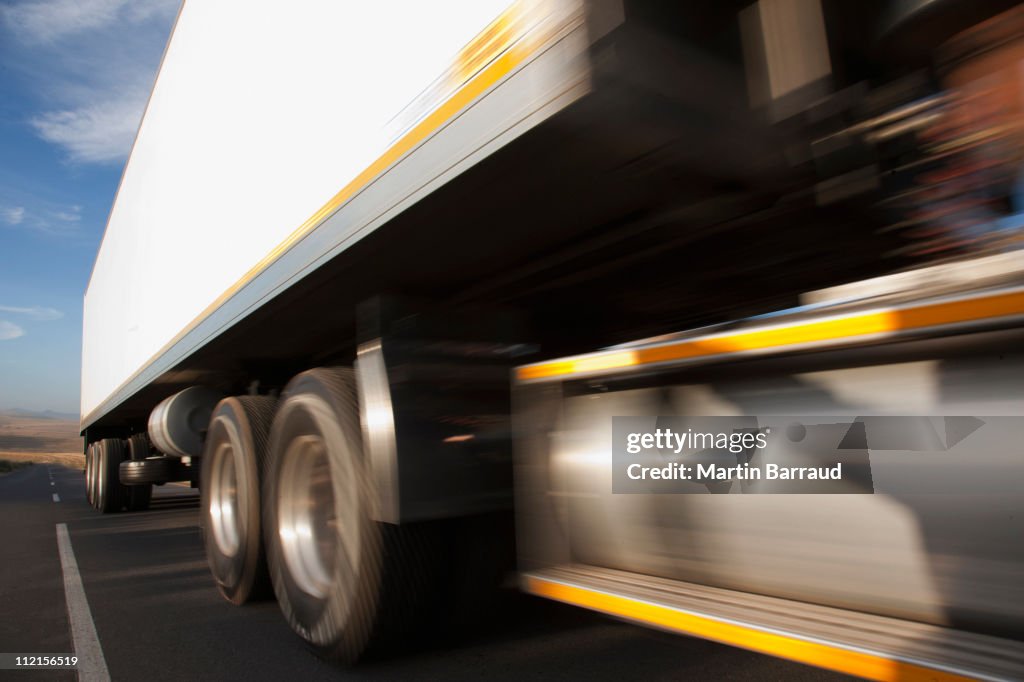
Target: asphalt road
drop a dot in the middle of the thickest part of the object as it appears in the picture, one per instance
(157, 615)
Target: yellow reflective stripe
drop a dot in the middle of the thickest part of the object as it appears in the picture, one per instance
(493, 40)
(819, 654)
(848, 327)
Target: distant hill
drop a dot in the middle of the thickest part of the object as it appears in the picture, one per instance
(37, 414)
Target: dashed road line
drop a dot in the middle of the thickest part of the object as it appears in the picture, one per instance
(92, 666)
(56, 497)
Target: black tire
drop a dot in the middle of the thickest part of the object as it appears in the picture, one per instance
(110, 492)
(152, 470)
(376, 577)
(139, 447)
(93, 475)
(94, 479)
(139, 496)
(88, 473)
(91, 482)
(233, 463)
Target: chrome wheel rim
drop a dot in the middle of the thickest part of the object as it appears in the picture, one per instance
(99, 474)
(88, 474)
(95, 476)
(308, 517)
(226, 514)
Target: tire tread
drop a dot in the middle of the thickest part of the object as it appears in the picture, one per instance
(401, 562)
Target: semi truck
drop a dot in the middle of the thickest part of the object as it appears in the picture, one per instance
(375, 274)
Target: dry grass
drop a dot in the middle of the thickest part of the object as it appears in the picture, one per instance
(74, 460)
(46, 441)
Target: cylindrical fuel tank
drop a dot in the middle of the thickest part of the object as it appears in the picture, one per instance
(178, 423)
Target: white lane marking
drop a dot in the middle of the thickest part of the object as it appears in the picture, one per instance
(56, 497)
(92, 667)
(52, 483)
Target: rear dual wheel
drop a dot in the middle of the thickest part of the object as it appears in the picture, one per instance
(286, 489)
(344, 582)
(89, 457)
(91, 477)
(103, 487)
(108, 493)
(234, 459)
(95, 476)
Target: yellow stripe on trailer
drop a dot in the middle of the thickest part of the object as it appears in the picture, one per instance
(816, 653)
(497, 37)
(841, 328)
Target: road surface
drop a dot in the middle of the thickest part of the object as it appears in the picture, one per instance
(147, 596)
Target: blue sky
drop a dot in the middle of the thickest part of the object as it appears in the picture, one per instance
(74, 78)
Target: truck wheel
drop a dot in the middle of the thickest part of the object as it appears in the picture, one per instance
(139, 496)
(344, 582)
(88, 473)
(93, 476)
(109, 491)
(234, 459)
(152, 471)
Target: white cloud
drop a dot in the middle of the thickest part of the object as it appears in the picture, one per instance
(13, 215)
(34, 312)
(30, 212)
(45, 21)
(95, 133)
(72, 215)
(93, 62)
(9, 330)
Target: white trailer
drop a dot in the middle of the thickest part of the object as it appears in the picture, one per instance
(277, 136)
(349, 234)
